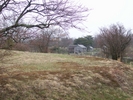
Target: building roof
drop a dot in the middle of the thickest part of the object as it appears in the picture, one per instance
(82, 46)
(79, 45)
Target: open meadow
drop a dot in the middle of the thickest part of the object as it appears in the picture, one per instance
(41, 76)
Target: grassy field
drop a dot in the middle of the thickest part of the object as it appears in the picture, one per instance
(40, 76)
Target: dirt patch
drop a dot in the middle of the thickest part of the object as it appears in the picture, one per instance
(57, 84)
(3, 70)
(69, 66)
(114, 77)
(92, 58)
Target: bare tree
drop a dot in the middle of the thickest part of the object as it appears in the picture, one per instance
(56, 39)
(40, 14)
(46, 37)
(114, 40)
(20, 34)
(16, 37)
(66, 41)
(3, 4)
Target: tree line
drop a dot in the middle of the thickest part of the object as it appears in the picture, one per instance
(37, 21)
(113, 40)
(41, 26)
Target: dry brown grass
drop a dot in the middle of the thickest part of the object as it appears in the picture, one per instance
(37, 76)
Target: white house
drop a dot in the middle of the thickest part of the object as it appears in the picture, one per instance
(77, 49)
(80, 49)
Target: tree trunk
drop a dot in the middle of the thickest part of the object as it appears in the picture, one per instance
(46, 49)
(121, 57)
(114, 57)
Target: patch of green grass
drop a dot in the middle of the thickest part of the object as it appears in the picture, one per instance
(40, 67)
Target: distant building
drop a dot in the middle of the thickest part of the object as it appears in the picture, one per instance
(90, 48)
(77, 49)
(71, 48)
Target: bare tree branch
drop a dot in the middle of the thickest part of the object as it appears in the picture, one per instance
(31, 13)
(3, 4)
(114, 40)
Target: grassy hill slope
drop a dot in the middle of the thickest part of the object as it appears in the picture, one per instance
(38, 76)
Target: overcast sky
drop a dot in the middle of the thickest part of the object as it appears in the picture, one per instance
(105, 13)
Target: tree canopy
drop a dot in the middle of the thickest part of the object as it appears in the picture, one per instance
(86, 41)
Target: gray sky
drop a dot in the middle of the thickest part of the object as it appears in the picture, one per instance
(105, 13)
